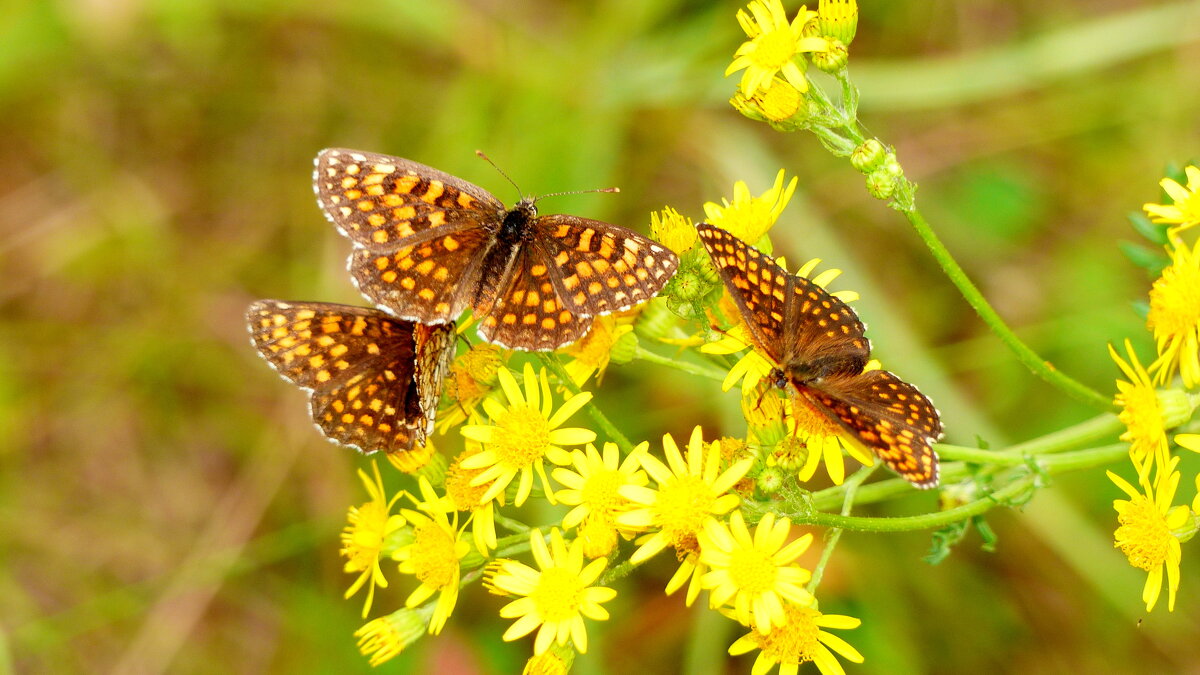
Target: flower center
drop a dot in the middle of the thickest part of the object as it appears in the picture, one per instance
(557, 595)
(466, 497)
(774, 48)
(1175, 301)
(681, 508)
(1142, 415)
(1143, 535)
(752, 570)
(523, 437)
(795, 641)
(780, 101)
(433, 556)
(600, 492)
(810, 421)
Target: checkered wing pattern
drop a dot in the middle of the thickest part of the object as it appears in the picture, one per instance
(529, 314)
(429, 245)
(818, 343)
(370, 376)
(599, 268)
(758, 285)
(384, 203)
(887, 415)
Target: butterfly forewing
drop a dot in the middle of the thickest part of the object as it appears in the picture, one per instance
(886, 414)
(429, 245)
(384, 203)
(757, 284)
(598, 268)
(361, 367)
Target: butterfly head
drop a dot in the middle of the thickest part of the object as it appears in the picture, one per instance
(517, 220)
(778, 378)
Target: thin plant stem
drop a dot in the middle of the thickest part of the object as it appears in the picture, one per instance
(835, 534)
(685, 366)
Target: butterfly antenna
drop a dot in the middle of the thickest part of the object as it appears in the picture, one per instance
(479, 153)
(578, 192)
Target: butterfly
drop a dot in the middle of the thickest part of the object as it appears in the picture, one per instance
(817, 345)
(373, 380)
(428, 245)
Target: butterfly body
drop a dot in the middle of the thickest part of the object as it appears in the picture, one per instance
(373, 380)
(817, 346)
(429, 245)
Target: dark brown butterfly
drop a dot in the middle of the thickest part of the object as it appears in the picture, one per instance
(817, 345)
(374, 380)
(429, 245)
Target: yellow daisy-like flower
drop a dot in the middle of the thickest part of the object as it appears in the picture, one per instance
(1184, 212)
(556, 596)
(754, 572)
(468, 497)
(523, 435)
(386, 637)
(1145, 535)
(1175, 317)
(689, 492)
(472, 377)
(774, 47)
(747, 217)
(673, 230)
(592, 352)
(363, 538)
(777, 103)
(1141, 412)
(800, 640)
(593, 488)
(434, 554)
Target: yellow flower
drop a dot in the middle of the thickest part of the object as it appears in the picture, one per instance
(592, 352)
(755, 573)
(362, 539)
(415, 459)
(384, 638)
(746, 217)
(554, 661)
(1145, 533)
(799, 640)
(777, 103)
(472, 377)
(556, 597)
(1175, 316)
(434, 554)
(593, 488)
(1185, 211)
(775, 46)
(824, 440)
(468, 497)
(673, 230)
(1141, 412)
(838, 19)
(689, 492)
(522, 435)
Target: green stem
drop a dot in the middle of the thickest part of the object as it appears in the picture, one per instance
(975, 299)
(594, 411)
(836, 533)
(685, 366)
(1050, 465)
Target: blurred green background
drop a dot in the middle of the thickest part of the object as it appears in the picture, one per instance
(167, 506)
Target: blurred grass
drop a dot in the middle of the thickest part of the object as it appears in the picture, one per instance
(165, 502)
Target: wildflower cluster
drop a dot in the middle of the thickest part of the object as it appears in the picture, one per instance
(739, 513)
(1160, 397)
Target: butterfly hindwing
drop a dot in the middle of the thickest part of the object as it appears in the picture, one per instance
(529, 313)
(360, 366)
(888, 415)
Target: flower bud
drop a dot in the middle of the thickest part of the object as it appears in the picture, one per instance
(881, 184)
(833, 59)
(868, 156)
(838, 19)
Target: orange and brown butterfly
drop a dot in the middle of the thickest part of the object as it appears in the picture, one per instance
(428, 245)
(373, 380)
(816, 344)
